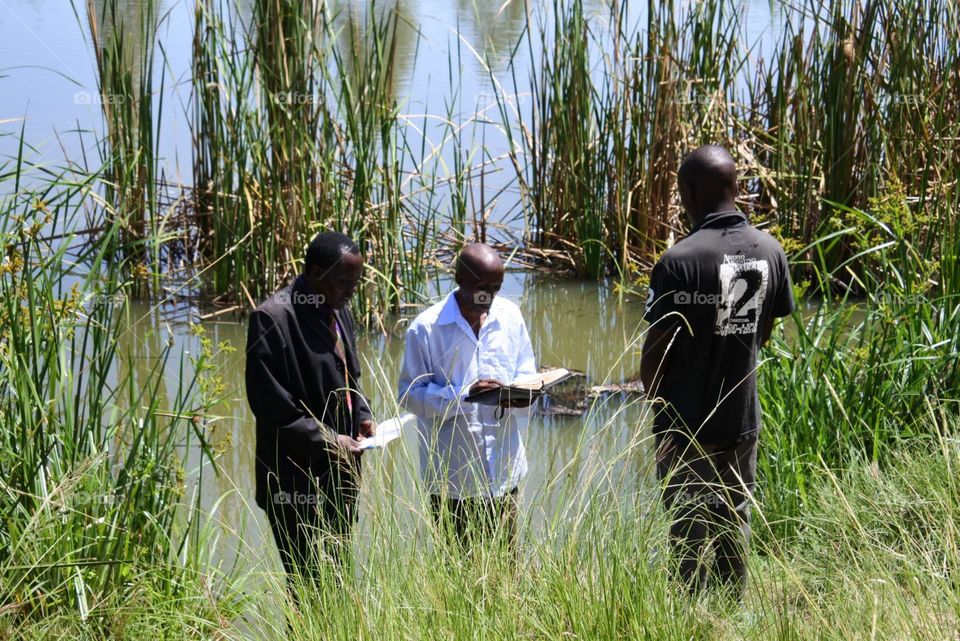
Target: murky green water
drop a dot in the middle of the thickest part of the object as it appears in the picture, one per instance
(579, 325)
(50, 91)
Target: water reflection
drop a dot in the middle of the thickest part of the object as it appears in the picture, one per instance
(127, 31)
(355, 25)
(492, 28)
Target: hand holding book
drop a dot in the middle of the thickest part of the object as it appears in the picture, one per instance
(520, 393)
(494, 392)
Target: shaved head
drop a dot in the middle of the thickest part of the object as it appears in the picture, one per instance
(477, 261)
(479, 276)
(707, 181)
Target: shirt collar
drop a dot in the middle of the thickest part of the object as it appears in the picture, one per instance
(450, 313)
(717, 219)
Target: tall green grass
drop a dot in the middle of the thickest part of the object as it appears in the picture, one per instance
(284, 150)
(846, 101)
(92, 441)
(873, 558)
(852, 378)
(856, 510)
(600, 571)
(848, 136)
(124, 42)
(615, 105)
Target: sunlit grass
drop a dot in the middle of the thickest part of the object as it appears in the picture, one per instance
(848, 138)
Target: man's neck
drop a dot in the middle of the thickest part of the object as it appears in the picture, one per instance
(726, 206)
(475, 325)
(729, 208)
(475, 322)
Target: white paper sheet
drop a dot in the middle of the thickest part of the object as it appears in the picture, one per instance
(387, 431)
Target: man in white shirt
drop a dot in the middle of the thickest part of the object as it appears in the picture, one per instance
(472, 455)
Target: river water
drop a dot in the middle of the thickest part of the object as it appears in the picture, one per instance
(585, 326)
(50, 92)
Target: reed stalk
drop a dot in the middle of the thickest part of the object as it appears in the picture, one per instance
(91, 447)
(124, 41)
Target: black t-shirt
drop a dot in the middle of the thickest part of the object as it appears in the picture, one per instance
(714, 291)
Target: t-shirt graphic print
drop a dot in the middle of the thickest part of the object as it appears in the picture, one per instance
(743, 287)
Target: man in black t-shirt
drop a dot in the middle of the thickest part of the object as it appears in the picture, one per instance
(711, 305)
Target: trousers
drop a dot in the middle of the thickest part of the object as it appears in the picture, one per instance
(471, 520)
(311, 525)
(708, 488)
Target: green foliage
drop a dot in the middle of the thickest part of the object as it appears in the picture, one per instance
(849, 106)
(850, 378)
(848, 139)
(91, 446)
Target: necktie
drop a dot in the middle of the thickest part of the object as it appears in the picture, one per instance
(340, 350)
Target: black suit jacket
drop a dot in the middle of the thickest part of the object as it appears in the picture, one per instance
(297, 390)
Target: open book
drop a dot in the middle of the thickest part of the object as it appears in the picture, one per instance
(387, 431)
(531, 386)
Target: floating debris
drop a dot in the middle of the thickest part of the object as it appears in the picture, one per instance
(574, 396)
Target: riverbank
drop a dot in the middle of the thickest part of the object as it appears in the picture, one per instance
(874, 556)
(125, 442)
(112, 440)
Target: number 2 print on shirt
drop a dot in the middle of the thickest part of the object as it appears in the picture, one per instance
(743, 286)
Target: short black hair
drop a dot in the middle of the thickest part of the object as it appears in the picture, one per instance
(710, 165)
(327, 248)
(475, 259)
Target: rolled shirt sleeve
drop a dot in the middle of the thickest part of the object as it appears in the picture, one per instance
(783, 303)
(417, 391)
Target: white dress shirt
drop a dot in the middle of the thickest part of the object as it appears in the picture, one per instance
(464, 449)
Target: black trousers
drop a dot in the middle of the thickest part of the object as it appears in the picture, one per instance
(709, 489)
(472, 520)
(311, 524)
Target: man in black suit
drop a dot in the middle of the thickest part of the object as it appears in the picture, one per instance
(302, 379)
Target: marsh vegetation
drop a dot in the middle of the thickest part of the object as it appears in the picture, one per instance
(845, 122)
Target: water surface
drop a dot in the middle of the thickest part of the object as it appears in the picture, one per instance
(578, 325)
(447, 53)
